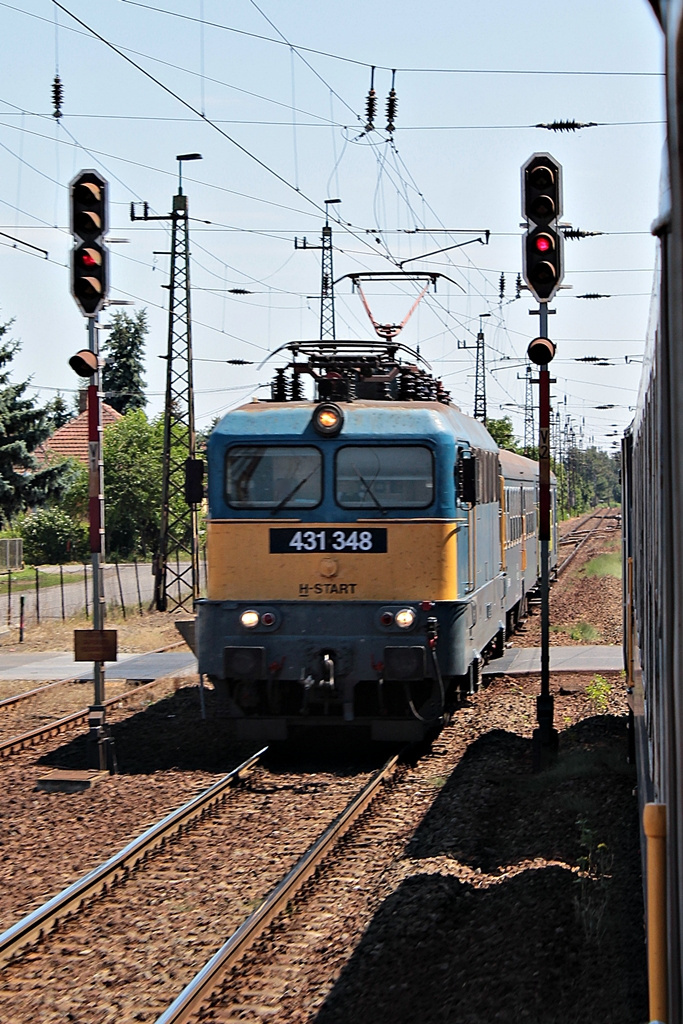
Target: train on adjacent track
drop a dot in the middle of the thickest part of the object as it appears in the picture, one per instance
(652, 479)
(368, 548)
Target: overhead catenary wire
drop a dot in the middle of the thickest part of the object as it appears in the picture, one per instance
(406, 70)
(410, 200)
(206, 120)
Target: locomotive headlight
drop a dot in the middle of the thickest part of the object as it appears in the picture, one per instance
(405, 618)
(249, 619)
(328, 419)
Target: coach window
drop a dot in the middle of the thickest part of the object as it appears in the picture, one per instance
(372, 476)
(273, 477)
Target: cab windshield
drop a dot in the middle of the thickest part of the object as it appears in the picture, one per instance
(382, 477)
(273, 477)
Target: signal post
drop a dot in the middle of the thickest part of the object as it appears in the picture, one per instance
(543, 262)
(89, 287)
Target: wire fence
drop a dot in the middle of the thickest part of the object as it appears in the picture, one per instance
(63, 591)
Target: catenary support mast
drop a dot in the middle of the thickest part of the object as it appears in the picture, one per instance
(176, 562)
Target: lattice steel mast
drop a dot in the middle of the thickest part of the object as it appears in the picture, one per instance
(327, 329)
(176, 562)
(480, 379)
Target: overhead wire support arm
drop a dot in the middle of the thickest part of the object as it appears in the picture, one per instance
(448, 248)
(19, 241)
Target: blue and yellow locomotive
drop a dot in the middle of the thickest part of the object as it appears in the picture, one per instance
(366, 550)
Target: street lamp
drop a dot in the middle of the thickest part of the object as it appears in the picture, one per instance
(329, 202)
(181, 159)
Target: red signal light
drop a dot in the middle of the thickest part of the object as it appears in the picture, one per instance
(89, 277)
(90, 258)
(543, 243)
(89, 265)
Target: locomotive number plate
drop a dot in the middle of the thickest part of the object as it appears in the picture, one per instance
(328, 539)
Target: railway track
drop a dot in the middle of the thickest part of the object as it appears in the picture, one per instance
(38, 924)
(59, 725)
(579, 536)
(205, 982)
(448, 863)
(133, 889)
(18, 698)
(54, 728)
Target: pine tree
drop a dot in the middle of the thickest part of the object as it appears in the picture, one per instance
(24, 483)
(122, 380)
(58, 412)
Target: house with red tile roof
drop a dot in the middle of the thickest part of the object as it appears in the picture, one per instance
(71, 440)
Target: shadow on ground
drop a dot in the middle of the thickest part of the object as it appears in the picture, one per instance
(539, 946)
(171, 734)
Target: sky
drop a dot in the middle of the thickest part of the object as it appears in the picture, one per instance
(273, 96)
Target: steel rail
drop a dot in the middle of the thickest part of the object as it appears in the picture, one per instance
(34, 693)
(572, 554)
(27, 739)
(576, 531)
(39, 922)
(197, 991)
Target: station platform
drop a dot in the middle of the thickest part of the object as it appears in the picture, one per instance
(51, 665)
(521, 661)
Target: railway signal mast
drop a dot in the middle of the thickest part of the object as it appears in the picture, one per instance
(89, 287)
(543, 269)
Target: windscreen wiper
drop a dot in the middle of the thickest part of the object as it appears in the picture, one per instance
(295, 490)
(370, 491)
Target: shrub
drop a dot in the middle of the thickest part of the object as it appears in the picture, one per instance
(598, 692)
(50, 535)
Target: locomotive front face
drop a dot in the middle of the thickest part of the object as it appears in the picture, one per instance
(327, 553)
(331, 531)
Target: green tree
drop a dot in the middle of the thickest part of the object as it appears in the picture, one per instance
(75, 499)
(592, 479)
(24, 482)
(132, 454)
(501, 432)
(122, 380)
